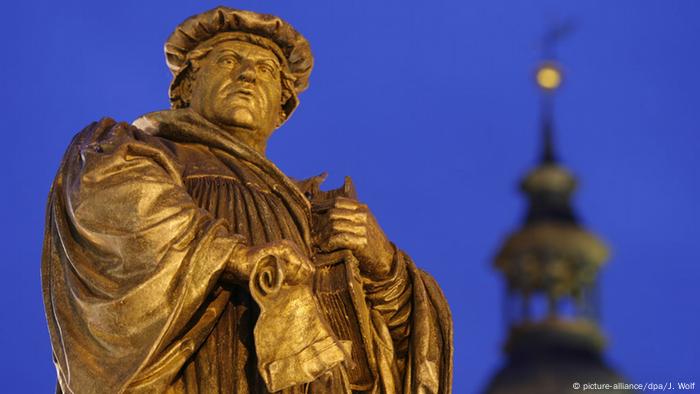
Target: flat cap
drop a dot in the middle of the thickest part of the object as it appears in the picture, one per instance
(288, 44)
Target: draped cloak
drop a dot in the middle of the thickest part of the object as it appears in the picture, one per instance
(141, 223)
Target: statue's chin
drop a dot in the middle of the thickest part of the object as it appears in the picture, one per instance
(241, 118)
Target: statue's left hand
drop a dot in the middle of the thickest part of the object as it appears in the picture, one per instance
(349, 224)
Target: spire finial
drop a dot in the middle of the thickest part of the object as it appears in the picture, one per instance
(549, 78)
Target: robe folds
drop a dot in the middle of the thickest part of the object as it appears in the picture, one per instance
(141, 222)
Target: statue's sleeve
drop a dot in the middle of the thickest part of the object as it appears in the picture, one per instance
(391, 297)
(129, 263)
(412, 330)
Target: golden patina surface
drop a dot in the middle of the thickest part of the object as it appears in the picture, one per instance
(177, 258)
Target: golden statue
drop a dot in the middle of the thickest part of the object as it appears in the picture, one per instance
(178, 259)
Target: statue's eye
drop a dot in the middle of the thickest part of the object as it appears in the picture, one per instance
(266, 68)
(228, 61)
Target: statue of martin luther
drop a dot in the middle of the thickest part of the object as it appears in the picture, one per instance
(178, 259)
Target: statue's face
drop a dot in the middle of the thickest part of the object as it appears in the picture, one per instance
(238, 87)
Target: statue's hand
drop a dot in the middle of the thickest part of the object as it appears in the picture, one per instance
(298, 267)
(349, 224)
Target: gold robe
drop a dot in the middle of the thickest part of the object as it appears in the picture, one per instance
(140, 226)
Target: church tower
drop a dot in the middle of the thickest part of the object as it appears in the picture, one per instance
(551, 265)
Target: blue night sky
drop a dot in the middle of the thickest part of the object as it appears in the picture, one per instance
(431, 108)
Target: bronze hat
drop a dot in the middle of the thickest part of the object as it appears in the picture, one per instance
(265, 30)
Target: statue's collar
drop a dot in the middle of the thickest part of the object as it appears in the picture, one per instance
(187, 126)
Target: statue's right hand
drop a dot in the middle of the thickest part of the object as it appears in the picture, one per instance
(297, 266)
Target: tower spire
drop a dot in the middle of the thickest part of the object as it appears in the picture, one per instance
(548, 155)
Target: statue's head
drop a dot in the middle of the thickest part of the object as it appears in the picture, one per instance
(240, 70)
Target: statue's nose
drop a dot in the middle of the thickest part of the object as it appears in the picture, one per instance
(246, 72)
